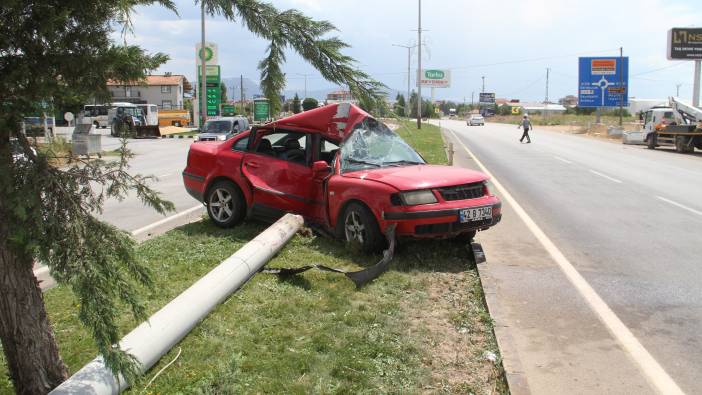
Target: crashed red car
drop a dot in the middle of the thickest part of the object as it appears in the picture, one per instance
(345, 172)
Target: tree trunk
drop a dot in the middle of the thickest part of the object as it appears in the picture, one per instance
(33, 359)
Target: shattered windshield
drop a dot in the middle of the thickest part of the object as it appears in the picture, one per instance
(373, 145)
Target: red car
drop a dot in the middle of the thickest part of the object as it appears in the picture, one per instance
(343, 171)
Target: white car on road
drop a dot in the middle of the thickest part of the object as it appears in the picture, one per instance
(476, 120)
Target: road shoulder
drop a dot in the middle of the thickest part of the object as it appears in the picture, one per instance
(549, 339)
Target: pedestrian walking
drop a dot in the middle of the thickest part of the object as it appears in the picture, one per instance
(526, 124)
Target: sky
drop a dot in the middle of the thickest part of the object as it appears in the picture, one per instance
(510, 43)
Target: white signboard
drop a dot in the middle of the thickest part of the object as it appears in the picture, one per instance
(210, 53)
(435, 78)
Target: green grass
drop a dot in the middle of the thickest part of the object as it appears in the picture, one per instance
(420, 327)
(427, 141)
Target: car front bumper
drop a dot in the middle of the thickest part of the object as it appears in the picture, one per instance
(440, 222)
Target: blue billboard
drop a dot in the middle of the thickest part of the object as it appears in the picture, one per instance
(603, 82)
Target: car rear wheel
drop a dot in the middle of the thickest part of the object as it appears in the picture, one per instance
(225, 205)
(361, 229)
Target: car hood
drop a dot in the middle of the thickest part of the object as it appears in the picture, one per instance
(406, 178)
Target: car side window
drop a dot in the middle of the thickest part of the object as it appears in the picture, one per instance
(327, 150)
(290, 146)
(241, 144)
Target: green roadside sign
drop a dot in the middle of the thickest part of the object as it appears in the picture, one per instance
(214, 90)
(228, 110)
(262, 110)
(434, 74)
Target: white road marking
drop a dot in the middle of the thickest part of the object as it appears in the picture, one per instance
(164, 175)
(163, 221)
(605, 176)
(692, 210)
(563, 160)
(650, 368)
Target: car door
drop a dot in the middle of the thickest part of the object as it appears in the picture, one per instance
(278, 166)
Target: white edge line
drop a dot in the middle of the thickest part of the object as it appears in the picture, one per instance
(651, 369)
(563, 160)
(692, 210)
(163, 221)
(605, 176)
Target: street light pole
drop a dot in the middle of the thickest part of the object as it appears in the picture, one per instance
(203, 71)
(621, 86)
(677, 90)
(409, 60)
(483, 91)
(419, 66)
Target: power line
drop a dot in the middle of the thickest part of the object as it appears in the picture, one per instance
(659, 69)
(529, 59)
(526, 87)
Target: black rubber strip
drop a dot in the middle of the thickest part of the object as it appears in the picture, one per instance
(361, 277)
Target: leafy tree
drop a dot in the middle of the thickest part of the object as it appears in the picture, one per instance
(47, 49)
(400, 105)
(505, 109)
(296, 105)
(223, 89)
(309, 103)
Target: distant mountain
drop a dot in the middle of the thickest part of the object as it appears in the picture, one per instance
(252, 88)
(233, 91)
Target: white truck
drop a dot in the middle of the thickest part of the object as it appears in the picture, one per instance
(678, 125)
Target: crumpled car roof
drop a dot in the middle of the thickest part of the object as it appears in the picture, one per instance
(334, 121)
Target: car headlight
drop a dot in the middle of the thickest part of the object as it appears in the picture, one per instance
(222, 137)
(412, 198)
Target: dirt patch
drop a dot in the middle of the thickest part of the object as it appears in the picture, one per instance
(455, 330)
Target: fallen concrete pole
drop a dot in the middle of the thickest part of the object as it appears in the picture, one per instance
(163, 330)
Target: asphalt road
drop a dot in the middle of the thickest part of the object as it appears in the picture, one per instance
(628, 219)
(163, 158)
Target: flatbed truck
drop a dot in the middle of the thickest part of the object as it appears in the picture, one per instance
(678, 125)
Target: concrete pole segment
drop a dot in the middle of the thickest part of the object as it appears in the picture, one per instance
(155, 337)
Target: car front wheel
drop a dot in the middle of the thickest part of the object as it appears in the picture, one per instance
(225, 205)
(360, 228)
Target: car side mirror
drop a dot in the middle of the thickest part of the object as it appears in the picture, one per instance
(320, 169)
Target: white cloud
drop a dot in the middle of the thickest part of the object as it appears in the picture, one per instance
(460, 33)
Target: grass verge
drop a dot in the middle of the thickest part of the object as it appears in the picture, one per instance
(422, 327)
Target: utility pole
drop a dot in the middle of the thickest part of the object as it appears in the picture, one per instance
(677, 90)
(696, 85)
(409, 59)
(419, 67)
(472, 99)
(546, 99)
(621, 85)
(304, 75)
(241, 88)
(203, 71)
(483, 91)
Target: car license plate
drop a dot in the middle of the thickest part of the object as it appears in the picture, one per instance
(475, 214)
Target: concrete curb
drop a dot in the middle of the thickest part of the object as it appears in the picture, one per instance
(157, 228)
(514, 374)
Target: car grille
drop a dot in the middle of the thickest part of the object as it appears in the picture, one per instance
(462, 192)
